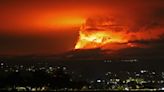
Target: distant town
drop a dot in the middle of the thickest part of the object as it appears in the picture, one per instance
(44, 76)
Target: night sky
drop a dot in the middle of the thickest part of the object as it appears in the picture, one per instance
(52, 26)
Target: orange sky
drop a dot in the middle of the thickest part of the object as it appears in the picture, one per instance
(40, 14)
(52, 26)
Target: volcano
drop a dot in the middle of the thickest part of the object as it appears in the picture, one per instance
(99, 32)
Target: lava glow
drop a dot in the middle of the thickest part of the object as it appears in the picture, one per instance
(96, 38)
(109, 33)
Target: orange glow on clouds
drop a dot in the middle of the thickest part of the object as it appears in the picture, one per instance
(96, 39)
(106, 34)
(98, 35)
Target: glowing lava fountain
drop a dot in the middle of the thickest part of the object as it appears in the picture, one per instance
(98, 34)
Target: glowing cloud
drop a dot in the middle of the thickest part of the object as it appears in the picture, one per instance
(107, 33)
(94, 35)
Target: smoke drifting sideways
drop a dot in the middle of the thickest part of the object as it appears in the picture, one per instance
(115, 33)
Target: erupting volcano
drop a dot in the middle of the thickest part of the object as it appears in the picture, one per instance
(110, 33)
(101, 33)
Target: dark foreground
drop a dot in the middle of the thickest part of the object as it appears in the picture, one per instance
(48, 74)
